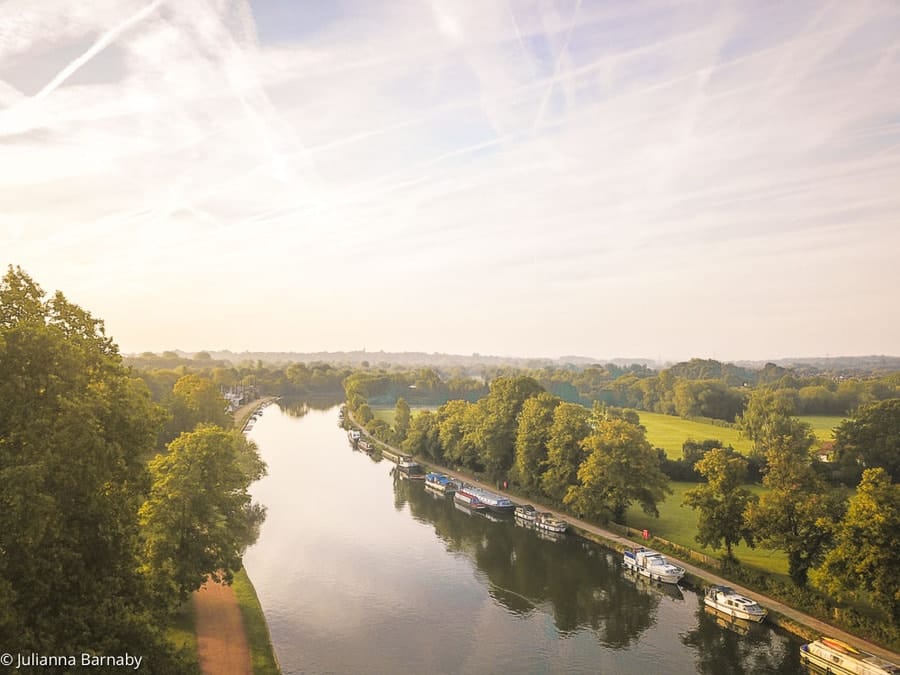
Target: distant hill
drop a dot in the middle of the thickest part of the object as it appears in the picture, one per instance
(735, 373)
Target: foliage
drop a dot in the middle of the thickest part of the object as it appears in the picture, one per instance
(721, 501)
(565, 450)
(621, 468)
(789, 515)
(75, 427)
(532, 435)
(424, 436)
(867, 548)
(401, 419)
(199, 518)
(871, 439)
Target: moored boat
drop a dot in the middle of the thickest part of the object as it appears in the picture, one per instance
(839, 658)
(440, 483)
(353, 435)
(526, 513)
(365, 446)
(409, 468)
(466, 497)
(727, 601)
(496, 503)
(653, 565)
(547, 521)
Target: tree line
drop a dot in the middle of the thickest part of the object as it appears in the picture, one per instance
(113, 507)
(595, 462)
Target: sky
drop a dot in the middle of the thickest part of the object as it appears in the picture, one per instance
(655, 179)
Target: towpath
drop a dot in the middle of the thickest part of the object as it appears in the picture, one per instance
(622, 542)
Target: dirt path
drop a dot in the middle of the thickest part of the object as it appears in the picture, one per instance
(221, 640)
(789, 612)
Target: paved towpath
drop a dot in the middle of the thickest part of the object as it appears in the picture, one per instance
(622, 542)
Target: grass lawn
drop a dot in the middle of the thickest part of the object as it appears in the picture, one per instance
(822, 425)
(387, 414)
(678, 524)
(180, 632)
(262, 656)
(669, 433)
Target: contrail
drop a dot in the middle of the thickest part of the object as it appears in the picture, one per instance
(102, 43)
(559, 58)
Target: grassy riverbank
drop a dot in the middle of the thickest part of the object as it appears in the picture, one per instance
(262, 655)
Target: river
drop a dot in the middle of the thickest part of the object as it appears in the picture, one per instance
(360, 573)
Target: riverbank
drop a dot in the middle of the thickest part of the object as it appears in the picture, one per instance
(795, 621)
(231, 632)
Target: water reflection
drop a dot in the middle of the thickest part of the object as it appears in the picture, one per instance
(578, 583)
(735, 647)
(357, 572)
(297, 407)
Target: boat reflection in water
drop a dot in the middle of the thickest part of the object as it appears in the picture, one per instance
(651, 586)
(739, 626)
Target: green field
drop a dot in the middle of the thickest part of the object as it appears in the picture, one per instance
(678, 524)
(387, 414)
(822, 425)
(669, 433)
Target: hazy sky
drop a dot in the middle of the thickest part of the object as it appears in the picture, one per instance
(536, 178)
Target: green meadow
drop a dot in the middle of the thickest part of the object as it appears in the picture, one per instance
(822, 425)
(669, 433)
(678, 524)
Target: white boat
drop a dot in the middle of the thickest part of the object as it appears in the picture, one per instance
(496, 503)
(547, 521)
(653, 565)
(838, 658)
(353, 435)
(409, 468)
(727, 601)
(364, 445)
(526, 513)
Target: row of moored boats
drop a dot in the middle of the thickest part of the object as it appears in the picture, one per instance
(827, 654)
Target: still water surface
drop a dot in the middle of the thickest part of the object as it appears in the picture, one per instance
(360, 573)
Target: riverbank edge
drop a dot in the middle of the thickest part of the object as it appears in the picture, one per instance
(785, 617)
(256, 629)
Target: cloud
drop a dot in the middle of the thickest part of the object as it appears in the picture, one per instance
(602, 156)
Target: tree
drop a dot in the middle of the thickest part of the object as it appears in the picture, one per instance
(867, 547)
(199, 517)
(75, 429)
(871, 438)
(788, 516)
(424, 436)
(401, 419)
(721, 501)
(621, 468)
(494, 433)
(565, 449)
(532, 435)
(768, 416)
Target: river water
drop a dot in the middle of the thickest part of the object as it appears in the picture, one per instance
(360, 573)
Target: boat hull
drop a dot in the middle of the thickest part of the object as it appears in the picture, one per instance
(733, 612)
(844, 660)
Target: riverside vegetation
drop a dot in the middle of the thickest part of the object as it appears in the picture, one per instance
(596, 462)
(113, 507)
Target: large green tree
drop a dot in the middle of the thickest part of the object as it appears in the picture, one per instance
(199, 517)
(621, 468)
(768, 417)
(401, 419)
(867, 548)
(532, 435)
(721, 501)
(788, 515)
(75, 431)
(565, 448)
(871, 439)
